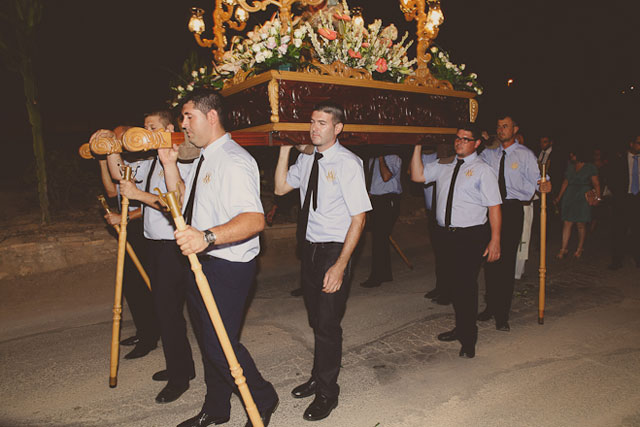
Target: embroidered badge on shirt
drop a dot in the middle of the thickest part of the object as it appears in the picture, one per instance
(514, 165)
(207, 178)
(469, 172)
(331, 176)
(161, 173)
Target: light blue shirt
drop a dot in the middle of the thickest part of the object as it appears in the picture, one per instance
(228, 185)
(521, 171)
(378, 186)
(159, 225)
(476, 189)
(342, 192)
(139, 173)
(429, 186)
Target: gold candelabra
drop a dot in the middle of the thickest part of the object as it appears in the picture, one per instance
(234, 14)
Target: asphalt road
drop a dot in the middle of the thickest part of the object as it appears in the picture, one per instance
(581, 368)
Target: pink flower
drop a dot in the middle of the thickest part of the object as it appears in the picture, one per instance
(341, 17)
(327, 33)
(354, 54)
(382, 65)
(365, 44)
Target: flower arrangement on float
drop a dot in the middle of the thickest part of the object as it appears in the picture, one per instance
(328, 36)
(442, 68)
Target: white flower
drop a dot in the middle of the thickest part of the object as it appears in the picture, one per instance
(268, 54)
(462, 67)
(448, 65)
(297, 42)
(189, 88)
(264, 36)
(473, 75)
(271, 43)
(285, 39)
(260, 57)
(283, 49)
(194, 73)
(273, 31)
(202, 70)
(257, 47)
(479, 91)
(440, 55)
(180, 88)
(434, 49)
(298, 33)
(174, 104)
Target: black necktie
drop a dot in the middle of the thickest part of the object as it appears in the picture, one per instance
(371, 165)
(501, 182)
(312, 189)
(447, 212)
(147, 186)
(188, 211)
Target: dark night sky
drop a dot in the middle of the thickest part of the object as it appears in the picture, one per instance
(106, 63)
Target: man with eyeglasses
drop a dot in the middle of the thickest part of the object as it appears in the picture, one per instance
(466, 194)
(517, 169)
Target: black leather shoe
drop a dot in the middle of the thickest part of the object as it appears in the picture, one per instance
(320, 408)
(485, 315)
(170, 393)
(370, 283)
(305, 390)
(164, 376)
(469, 353)
(202, 420)
(448, 336)
(130, 341)
(503, 326)
(296, 292)
(441, 300)
(432, 294)
(140, 350)
(266, 415)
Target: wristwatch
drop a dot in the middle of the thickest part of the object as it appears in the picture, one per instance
(209, 237)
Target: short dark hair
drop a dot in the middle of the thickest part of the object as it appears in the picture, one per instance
(582, 153)
(506, 114)
(473, 128)
(336, 110)
(166, 118)
(206, 100)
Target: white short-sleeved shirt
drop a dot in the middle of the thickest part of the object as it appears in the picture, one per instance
(342, 192)
(521, 170)
(378, 186)
(139, 173)
(228, 185)
(159, 225)
(476, 189)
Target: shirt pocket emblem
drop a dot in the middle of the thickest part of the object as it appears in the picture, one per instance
(207, 178)
(331, 176)
(469, 173)
(514, 165)
(161, 173)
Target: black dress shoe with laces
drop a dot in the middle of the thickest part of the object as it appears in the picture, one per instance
(305, 390)
(202, 420)
(320, 408)
(432, 294)
(140, 350)
(467, 352)
(448, 336)
(164, 376)
(133, 340)
(265, 415)
(503, 326)
(485, 315)
(171, 392)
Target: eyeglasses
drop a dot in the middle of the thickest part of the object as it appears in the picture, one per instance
(464, 139)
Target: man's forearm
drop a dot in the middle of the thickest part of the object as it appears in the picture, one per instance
(495, 221)
(280, 178)
(241, 227)
(416, 166)
(352, 238)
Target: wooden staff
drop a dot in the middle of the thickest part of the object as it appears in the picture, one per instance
(543, 248)
(402, 255)
(130, 250)
(117, 303)
(171, 199)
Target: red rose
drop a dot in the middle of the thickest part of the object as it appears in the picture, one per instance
(354, 54)
(327, 33)
(382, 65)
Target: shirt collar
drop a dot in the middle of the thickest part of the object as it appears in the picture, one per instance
(329, 153)
(211, 148)
(513, 147)
(470, 158)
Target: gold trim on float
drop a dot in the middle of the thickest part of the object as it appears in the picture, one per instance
(304, 127)
(312, 78)
(473, 110)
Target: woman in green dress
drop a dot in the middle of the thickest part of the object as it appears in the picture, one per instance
(580, 178)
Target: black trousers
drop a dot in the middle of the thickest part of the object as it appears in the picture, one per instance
(626, 227)
(325, 313)
(500, 275)
(461, 258)
(230, 283)
(383, 217)
(166, 270)
(135, 290)
(441, 286)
